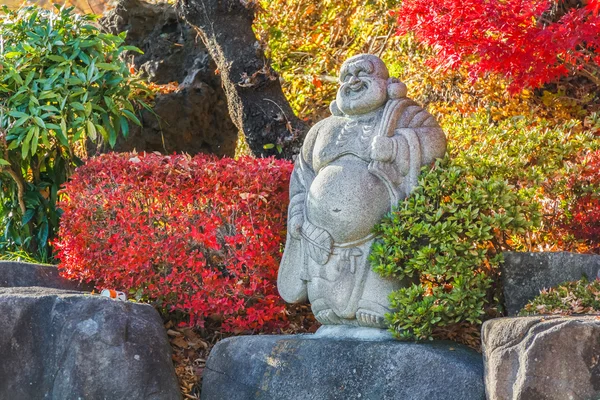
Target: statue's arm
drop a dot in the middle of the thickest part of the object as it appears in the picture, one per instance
(300, 182)
(433, 143)
(291, 279)
(396, 149)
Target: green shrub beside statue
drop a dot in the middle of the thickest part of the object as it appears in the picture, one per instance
(61, 83)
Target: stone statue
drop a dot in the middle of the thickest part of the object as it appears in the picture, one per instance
(354, 166)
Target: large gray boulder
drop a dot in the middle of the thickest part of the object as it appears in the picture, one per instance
(302, 367)
(550, 358)
(21, 274)
(525, 274)
(65, 345)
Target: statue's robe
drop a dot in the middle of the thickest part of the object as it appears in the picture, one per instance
(341, 193)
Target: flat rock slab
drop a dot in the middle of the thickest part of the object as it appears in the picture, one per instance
(301, 367)
(21, 274)
(525, 274)
(65, 345)
(549, 358)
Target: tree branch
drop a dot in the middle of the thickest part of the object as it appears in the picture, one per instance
(256, 102)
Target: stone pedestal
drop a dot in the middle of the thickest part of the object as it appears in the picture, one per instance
(305, 367)
(550, 358)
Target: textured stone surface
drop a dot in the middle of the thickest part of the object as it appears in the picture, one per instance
(193, 119)
(354, 166)
(65, 345)
(525, 274)
(304, 368)
(549, 358)
(20, 274)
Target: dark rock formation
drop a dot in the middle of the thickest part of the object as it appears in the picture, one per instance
(525, 274)
(302, 367)
(195, 117)
(550, 358)
(20, 274)
(64, 345)
(257, 104)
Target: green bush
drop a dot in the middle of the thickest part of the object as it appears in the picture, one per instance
(61, 83)
(579, 297)
(447, 236)
(489, 195)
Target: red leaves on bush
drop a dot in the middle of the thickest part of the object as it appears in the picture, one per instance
(514, 38)
(198, 235)
(585, 205)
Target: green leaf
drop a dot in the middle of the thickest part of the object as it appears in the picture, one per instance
(91, 130)
(17, 114)
(27, 143)
(34, 140)
(88, 109)
(57, 58)
(112, 137)
(29, 78)
(131, 116)
(43, 234)
(45, 140)
(20, 122)
(4, 162)
(50, 108)
(39, 122)
(108, 67)
(29, 214)
(90, 71)
(77, 106)
(12, 54)
(62, 133)
(124, 126)
(132, 48)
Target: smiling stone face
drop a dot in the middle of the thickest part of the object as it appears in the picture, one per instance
(364, 80)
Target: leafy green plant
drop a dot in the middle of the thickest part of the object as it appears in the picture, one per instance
(579, 297)
(61, 83)
(445, 240)
(539, 156)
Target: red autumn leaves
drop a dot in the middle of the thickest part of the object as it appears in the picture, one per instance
(197, 235)
(525, 40)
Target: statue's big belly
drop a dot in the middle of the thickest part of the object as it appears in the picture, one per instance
(347, 200)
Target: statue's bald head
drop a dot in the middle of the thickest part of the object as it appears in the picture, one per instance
(364, 80)
(368, 63)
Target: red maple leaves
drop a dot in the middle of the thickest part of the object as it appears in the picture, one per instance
(514, 38)
(584, 207)
(199, 235)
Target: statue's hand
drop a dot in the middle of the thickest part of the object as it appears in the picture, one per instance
(295, 226)
(382, 149)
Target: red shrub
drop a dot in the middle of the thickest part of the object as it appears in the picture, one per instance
(584, 208)
(514, 38)
(199, 235)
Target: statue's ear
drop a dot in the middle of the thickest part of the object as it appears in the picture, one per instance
(335, 111)
(396, 89)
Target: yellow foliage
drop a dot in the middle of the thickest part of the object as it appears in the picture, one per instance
(81, 6)
(308, 40)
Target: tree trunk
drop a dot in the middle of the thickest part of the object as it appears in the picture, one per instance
(256, 102)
